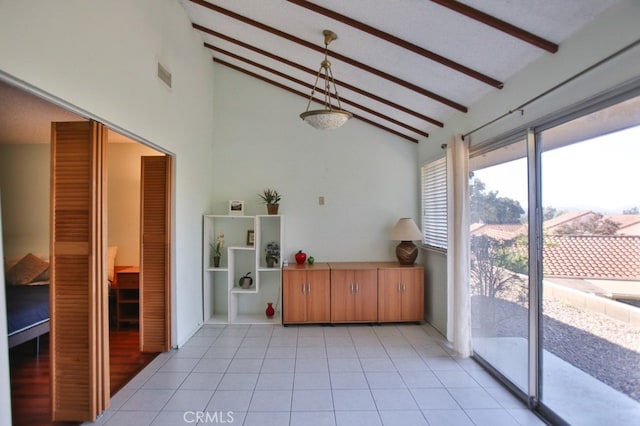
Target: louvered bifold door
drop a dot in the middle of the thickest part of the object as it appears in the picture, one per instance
(79, 337)
(155, 222)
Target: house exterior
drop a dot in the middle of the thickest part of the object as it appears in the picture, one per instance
(604, 265)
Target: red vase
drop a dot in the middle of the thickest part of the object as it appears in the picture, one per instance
(300, 257)
(270, 312)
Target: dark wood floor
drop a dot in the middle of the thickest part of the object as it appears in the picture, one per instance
(30, 391)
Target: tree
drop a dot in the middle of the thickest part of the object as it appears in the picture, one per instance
(632, 210)
(495, 264)
(550, 213)
(488, 207)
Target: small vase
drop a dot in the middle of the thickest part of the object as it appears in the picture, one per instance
(271, 262)
(272, 208)
(270, 312)
(216, 261)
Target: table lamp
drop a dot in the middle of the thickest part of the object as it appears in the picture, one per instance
(406, 232)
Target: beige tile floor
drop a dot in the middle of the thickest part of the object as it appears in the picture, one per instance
(315, 375)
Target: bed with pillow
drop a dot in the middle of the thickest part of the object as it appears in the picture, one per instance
(27, 290)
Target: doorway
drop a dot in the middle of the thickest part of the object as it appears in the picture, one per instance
(53, 113)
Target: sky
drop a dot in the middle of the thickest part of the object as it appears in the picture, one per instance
(600, 174)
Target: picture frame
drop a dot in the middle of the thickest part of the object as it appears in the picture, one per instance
(251, 237)
(236, 208)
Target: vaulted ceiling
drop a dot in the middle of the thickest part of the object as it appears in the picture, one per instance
(405, 66)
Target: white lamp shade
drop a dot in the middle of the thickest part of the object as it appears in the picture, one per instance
(405, 230)
(325, 119)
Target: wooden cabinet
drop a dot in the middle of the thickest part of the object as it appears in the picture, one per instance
(127, 287)
(346, 292)
(306, 294)
(400, 293)
(354, 292)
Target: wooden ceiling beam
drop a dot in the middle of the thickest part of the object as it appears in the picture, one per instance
(318, 89)
(346, 59)
(313, 72)
(498, 24)
(291, 90)
(399, 42)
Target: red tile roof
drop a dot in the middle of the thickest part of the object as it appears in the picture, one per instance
(592, 256)
(567, 217)
(499, 232)
(629, 224)
(581, 256)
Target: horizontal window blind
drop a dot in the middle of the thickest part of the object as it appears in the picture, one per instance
(434, 203)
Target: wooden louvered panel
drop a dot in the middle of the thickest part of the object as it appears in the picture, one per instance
(154, 263)
(78, 295)
(71, 372)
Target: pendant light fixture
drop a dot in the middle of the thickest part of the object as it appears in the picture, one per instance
(329, 117)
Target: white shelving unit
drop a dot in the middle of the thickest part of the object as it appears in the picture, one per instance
(226, 302)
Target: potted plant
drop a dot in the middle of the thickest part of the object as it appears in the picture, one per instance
(271, 198)
(272, 254)
(216, 250)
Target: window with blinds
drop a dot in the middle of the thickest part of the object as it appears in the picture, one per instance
(434, 203)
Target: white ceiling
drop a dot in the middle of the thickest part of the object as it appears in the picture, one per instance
(273, 39)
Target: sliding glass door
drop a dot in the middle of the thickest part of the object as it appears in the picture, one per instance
(499, 270)
(559, 319)
(590, 174)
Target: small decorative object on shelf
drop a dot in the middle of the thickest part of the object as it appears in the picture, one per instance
(310, 260)
(271, 198)
(236, 208)
(216, 250)
(251, 237)
(246, 281)
(301, 257)
(272, 254)
(270, 312)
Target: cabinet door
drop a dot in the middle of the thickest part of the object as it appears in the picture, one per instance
(365, 303)
(294, 300)
(389, 296)
(342, 295)
(413, 295)
(318, 296)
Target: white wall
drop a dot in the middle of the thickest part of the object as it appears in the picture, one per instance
(369, 178)
(101, 56)
(25, 181)
(610, 32)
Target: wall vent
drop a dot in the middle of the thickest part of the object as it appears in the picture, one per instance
(164, 75)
